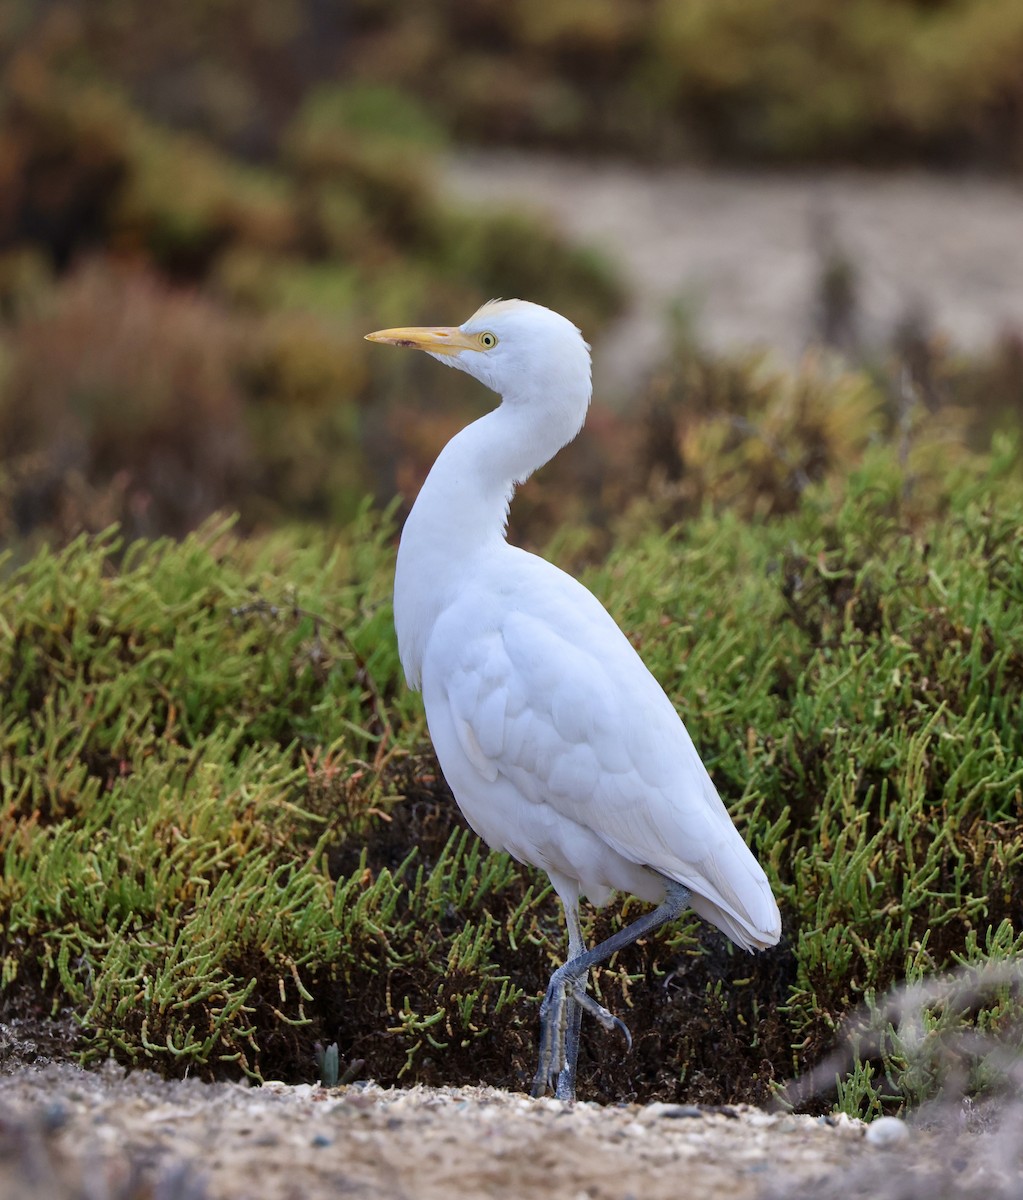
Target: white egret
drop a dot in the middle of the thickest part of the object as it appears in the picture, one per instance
(559, 745)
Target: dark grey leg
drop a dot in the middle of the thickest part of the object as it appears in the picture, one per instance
(565, 1089)
(566, 996)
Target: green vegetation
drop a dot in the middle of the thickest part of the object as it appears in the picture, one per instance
(225, 839)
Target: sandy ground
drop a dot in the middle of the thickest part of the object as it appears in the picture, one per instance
(105, 1136)
(742, 251)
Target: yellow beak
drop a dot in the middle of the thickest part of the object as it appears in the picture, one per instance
(439, 339)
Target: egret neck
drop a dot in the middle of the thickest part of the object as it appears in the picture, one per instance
(462, 508)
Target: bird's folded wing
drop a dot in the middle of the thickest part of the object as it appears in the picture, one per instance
(597, 740)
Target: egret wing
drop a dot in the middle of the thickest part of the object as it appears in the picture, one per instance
(574, 720)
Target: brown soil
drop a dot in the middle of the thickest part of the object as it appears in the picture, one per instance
(66, 1133)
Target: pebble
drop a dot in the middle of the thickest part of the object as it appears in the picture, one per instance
(55, 1116)
(659, 1110)
(888, 1133)
(841, 1122)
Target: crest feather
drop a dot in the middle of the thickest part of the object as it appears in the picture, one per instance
(494, 308)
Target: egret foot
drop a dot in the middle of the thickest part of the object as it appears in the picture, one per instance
(607, 1019)
(560, 1018)
(566, 998)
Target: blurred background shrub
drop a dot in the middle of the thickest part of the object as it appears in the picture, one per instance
(181, 312)
(202, 209)
(868, 80)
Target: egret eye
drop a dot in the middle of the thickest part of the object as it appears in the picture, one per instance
(487, 340)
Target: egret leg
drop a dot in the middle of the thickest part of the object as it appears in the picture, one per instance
(565, 1089)
(566, 996)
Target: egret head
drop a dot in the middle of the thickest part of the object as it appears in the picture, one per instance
(520, 350)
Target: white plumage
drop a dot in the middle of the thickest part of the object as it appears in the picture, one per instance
(558, 744)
